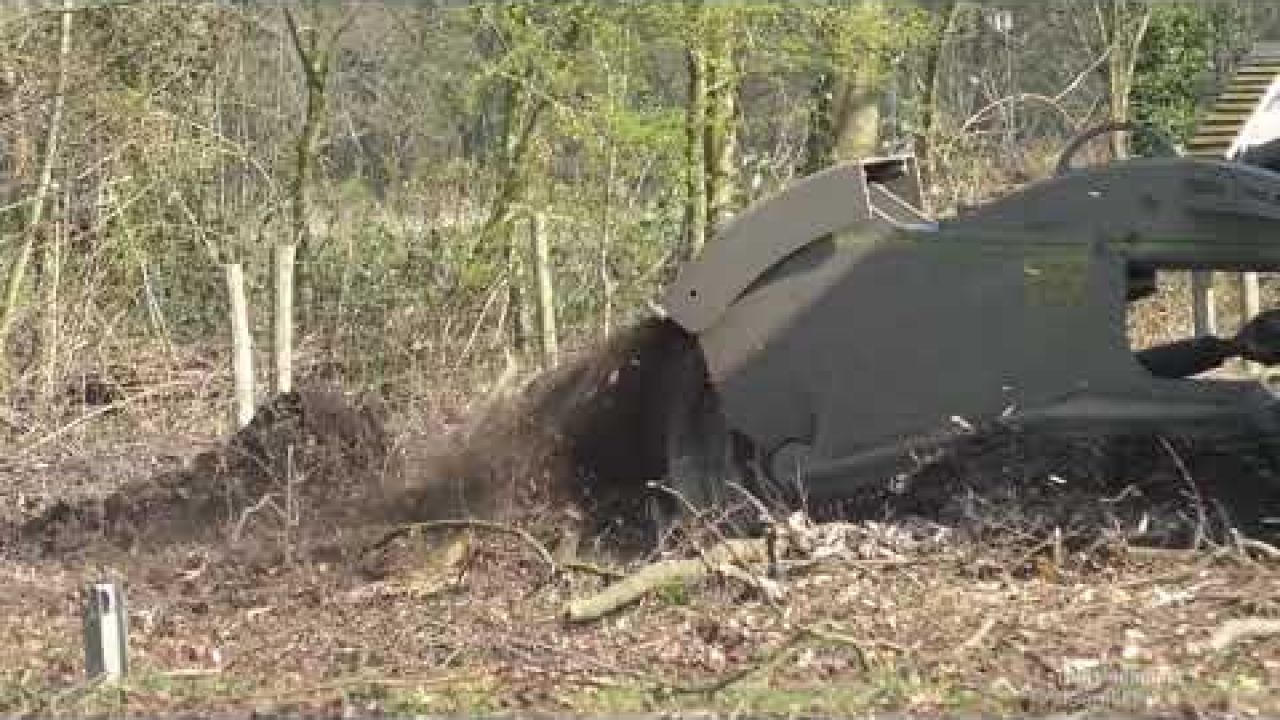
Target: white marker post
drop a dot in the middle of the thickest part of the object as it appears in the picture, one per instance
(106, 632)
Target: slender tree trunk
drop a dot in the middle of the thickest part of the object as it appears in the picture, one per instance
(924, 145)
(607, 285)
(282, 337)
(695, 134)
(522, 115)
(857, 124)
(517, 295)
(18, 270)
(844, 116)
(316, 63)
(542, 271)
(818, 144)
(53, 263)
(720, 136)
(617, 96)
(525, 106)
(1124, 34)
(241, 345)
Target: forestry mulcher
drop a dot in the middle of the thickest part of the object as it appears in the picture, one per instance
(835, 337)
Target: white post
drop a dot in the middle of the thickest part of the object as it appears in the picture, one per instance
(546, 288)
(282, 342)
(241, 345)
(106, 632)
(1250, 306)
(1204, 317)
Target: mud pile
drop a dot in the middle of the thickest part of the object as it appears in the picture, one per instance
(304, 455)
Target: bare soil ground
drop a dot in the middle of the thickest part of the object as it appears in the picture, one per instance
(261, 578)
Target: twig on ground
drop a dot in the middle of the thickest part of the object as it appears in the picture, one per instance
(692, 509)
(1237, 630)
(977, 637)
(237, 531)
(768, 588)
(1267, 550)
(1202, 519)
(191, 672)
(593, 569)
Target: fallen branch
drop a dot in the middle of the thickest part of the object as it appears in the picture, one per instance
(978, 637)
(1271, 552)
(1234, 631)
(191, 672)
(593, 569)
(1202, 518)
(662, 574)
(462, 524)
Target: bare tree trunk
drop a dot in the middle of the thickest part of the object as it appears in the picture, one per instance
(695, 171)
(282, 343)
(18, 270)
(522, 114)
(315, 60)
(844, 117)
(53, 265)
(1124, 34)
(720, 138)
(546, 289)
(607, 285)
(858, 121)
(932, 91)
(517, 295)
(241, 345)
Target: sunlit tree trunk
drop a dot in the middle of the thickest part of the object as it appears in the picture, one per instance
(695, 221)
(929, 103)
(542, 271)
(1123, 24)
(844, 116)
(315, 57)
(720, 132)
